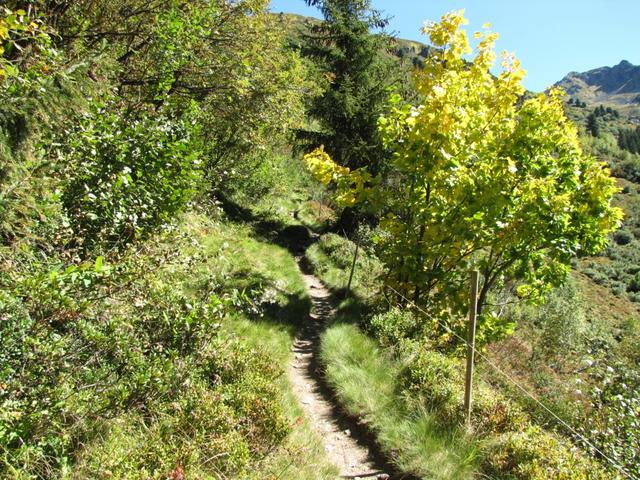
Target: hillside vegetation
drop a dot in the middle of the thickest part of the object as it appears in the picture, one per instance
(154, 199)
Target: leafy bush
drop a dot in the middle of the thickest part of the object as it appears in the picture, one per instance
(121, 362)
(612, 422)
(536, 455)
(393, 326)
(435, 377)
(127, 176)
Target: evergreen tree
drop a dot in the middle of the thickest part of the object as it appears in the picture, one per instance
(359, 74)
(629, 140)
(592, 125)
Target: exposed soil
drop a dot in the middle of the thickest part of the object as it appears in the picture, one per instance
(353, 455)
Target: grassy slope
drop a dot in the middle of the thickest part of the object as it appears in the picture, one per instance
(365, 380)
(219, 253)
(234, 253)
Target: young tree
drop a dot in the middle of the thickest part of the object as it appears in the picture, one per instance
(489, 180)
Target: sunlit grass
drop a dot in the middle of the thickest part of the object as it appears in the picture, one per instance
(365, 380)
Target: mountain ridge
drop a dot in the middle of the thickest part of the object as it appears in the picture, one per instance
(619, 85)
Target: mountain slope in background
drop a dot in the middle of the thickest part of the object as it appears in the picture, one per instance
(619, 85)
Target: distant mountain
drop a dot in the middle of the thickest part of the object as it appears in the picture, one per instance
(619, 85)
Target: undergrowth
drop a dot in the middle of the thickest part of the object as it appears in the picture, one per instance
(168, 362)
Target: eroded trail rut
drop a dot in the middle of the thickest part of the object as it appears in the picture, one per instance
(353, 458)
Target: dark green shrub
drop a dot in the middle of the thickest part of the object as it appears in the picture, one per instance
(623, 237)
(634, 284)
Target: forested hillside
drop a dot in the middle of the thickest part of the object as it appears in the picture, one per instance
(176, 178)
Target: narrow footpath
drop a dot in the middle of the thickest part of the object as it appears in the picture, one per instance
(353, 458)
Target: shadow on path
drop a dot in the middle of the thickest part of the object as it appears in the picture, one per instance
(349, 444)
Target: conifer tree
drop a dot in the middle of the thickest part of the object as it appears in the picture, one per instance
(359, 74)
(592, 125)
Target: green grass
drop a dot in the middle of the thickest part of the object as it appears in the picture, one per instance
(331, 258)
(171, 381)
(365, 380)
(229, 251)
(302, 454)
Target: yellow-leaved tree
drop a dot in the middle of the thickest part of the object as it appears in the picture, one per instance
(483, 176)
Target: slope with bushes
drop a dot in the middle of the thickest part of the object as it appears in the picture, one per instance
(133, 316)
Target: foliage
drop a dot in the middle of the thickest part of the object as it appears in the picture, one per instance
(367, 384)
(592, 125)
(561, 321)
(331, 258)
(126, 176)
(614, 393)
(392, 327)
(573, 357)
(629, 140)
(133, 369)
(228, 57)
(485, 181)
(537, 455)
(359, 74)
(411, 398)
(25, 52)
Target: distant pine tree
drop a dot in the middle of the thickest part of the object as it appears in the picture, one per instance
(592, 125)
(360, 74)
(629, 140)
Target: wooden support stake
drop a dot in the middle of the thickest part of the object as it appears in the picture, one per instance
(471, 343)
(353, 266)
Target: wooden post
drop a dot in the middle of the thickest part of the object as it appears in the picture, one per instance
(353, 266)
(471, 343)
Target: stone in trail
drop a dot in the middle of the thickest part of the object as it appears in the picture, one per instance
(353, 459)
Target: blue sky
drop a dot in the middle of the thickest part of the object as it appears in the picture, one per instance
(550, 37)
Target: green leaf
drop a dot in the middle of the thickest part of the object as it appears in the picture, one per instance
(99, 263)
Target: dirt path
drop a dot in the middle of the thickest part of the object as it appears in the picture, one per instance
(353, 459)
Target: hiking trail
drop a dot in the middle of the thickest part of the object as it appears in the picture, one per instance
(351, 455)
